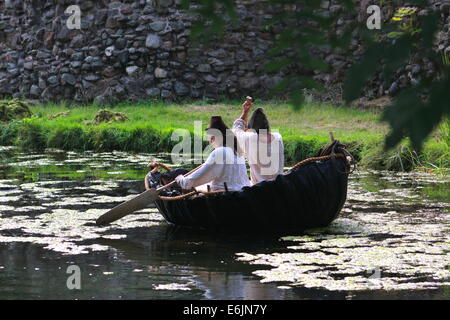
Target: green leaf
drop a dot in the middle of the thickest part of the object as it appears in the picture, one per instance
(277, 64)
(297, 99)
(358, 74)
(410, 116)
(429, 26)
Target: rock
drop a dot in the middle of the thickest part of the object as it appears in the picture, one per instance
(248, 82)
(77, 56)
(403, 81)
(153, 41)
(86, 84)
(158, 26)
(393, 88)
(109, 51)
(181, 56)
(86, 5)
(414, 81)
(11, 66)
(108, 72)
(190, 76)
(166, 94)
(64, 34)
(123, 56)
(415, 69)
(204, 68)
(42, 84)
(43, 55)
(325, 4)
(162, 55)
(335, 8)
(121, 43)
(97, 63)
(160, 73)
(114, 5)
(77, 41)
(424, 12)
(126, 9)
(28, 65)
(91, 77)
(112, 22)
(69, 79)
(153, 92)
(35, 91)
(75, 64)
(219, 53)
(120, 91)
(85, 67)
(87, 22)
(210, 78)
(181, 89)
(53, 81)
(133, 71)
(49, 39)
(196, 94)
(165, 3)
(134, 87)
(167, 45)
(14, 71)
(175, 64)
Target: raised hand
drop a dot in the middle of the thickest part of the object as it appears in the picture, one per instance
(247, 105)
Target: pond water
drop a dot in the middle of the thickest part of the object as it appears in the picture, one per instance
(391, 240)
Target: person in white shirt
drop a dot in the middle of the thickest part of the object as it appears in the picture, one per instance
(263, 149)
(223, 165)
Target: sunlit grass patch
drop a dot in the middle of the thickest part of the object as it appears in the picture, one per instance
(150, 125)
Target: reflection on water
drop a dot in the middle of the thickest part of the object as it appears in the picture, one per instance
(391, 240)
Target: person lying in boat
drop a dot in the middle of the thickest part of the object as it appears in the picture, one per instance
(223, 166)
(263, 149)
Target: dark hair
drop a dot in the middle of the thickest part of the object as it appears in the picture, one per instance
(258, 121)
(217, 123)
(229, 138)
(233, 141)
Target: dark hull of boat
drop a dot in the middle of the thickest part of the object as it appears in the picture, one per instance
(307, 197)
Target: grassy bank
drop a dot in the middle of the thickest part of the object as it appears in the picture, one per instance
(150, 127)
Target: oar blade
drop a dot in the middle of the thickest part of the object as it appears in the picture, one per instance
(128, 207)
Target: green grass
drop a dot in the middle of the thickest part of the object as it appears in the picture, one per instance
(152, 123)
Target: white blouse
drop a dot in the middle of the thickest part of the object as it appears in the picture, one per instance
(266, 159)
(222, 165)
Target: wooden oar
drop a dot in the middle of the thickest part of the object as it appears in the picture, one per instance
(137, 203)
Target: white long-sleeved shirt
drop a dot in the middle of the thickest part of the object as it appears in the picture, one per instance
(222, 165)
(266, 159)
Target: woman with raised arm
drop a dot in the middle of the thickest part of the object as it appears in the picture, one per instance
(225, 167)
(263, 149)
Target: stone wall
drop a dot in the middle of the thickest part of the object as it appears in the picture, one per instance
(140, 50)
